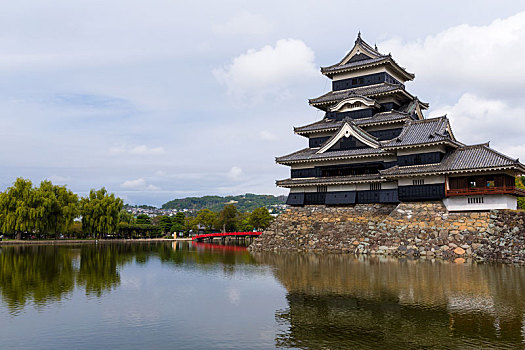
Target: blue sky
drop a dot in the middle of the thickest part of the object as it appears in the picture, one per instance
(165, 99)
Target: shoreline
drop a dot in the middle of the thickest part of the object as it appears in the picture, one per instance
(87, 241)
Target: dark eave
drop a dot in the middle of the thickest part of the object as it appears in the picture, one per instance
(464, 159)
(325, 125)
(364, 91)
(310, 155)
(372, 62)
(334, 180)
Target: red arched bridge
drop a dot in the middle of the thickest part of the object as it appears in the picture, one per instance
(223, 235)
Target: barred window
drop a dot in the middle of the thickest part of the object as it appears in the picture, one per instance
(375, 187)
(475, 200)
(322, 188)
(418, 182)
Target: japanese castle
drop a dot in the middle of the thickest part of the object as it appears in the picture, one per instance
(374, 145)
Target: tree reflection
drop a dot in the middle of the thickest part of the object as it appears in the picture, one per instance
(339, 301)
(41, 274)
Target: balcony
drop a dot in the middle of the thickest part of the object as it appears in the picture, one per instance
(476, 191)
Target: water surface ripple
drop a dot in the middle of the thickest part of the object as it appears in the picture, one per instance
(182, 295)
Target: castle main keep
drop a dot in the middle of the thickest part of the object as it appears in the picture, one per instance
(374, 145)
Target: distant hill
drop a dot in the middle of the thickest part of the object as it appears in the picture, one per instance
(244, 203)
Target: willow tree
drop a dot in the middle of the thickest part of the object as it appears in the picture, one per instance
(58, 208)
(100, 212)
(19, 210)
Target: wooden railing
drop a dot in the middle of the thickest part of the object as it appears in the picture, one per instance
(485, 190)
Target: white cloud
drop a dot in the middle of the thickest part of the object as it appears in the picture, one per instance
(58, 178)
(476, 58)
(477, 120)
(145, 150)
(244, 23)
(141, 150)
(139, 184)
(268, 71)
(267, 136)
(235, 173)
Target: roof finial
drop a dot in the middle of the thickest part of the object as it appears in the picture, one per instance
(375, 47)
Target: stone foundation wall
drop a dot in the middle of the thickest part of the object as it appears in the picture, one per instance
(416, 229)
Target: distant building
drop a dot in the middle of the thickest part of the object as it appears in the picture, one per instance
(374, 145)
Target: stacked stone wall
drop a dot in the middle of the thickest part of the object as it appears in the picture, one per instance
(411, 229)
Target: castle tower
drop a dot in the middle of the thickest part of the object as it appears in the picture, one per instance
(374, 145)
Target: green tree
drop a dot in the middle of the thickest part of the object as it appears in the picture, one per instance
(57, 207)
(125, 216)
(177, 227)
(100, 212)
(206, 218)
(165, 223)
(244, 222)
(228, 218)
(260, 218)
(19, 211)
(143, 219)
(519, 182)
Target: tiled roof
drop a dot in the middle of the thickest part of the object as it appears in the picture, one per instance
(328, 180)
(308, 154)
(463, 158)
(330, 124)
(417, 132)
(369, 90)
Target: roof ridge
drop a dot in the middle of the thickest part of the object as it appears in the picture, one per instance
(499, 153)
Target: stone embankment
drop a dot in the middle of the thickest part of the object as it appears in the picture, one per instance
(407, 229)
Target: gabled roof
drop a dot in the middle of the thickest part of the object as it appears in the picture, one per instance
(463, 159)
(364, 91)
(349, 128)
(421, 132)
(382, 118)
(363, 55)
(310, 154)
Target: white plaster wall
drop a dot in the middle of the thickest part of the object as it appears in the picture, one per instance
(428, 180)
(460, 203)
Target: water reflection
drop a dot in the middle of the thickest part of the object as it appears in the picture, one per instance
(43, 274)
(338, 301)
(328, 301)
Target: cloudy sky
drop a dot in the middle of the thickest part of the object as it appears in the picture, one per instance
(164, 99)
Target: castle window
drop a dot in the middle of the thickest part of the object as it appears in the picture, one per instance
(418, 182)
(375, 187)
(322, 188)
(475, 200)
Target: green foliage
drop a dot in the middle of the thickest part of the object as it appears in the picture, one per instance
(125, 216)
(260, 219)
(244, 203)
(143, 219)
(19, 210)
(48, 209)
(228, 218)
(138, 230)
(177, 227)
(100, 212)
(58, 207)
(206, 218)
(520, 183)
(165, 223)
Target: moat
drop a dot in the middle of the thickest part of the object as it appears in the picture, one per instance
(199, 296)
